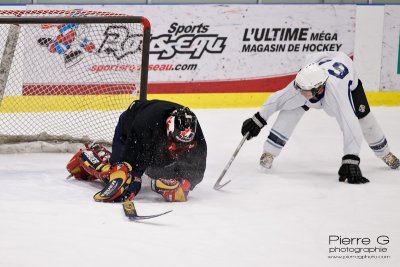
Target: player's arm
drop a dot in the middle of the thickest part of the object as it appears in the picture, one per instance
(193, 164)
(352, 138)
(350, 170)
(285, 99)
(177, 179)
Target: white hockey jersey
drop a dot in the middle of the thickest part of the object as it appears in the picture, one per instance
(337, 100)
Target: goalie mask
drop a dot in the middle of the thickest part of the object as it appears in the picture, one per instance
(181, 125)
(311, 78)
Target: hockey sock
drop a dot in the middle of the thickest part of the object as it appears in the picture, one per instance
(374, 135)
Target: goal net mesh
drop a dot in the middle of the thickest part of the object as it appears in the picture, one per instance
(68, 80)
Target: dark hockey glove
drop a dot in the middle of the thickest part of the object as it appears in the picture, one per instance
(350, 170)
(253, 125)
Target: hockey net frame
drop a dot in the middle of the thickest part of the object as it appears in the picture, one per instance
(17, 18)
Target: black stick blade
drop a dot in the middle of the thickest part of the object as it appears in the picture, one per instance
(131, 213)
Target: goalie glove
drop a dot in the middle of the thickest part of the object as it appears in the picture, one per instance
(172, 190)
(122, 185)
(253, 125)
(350, 170)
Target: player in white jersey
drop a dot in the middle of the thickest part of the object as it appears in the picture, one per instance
(328, 81)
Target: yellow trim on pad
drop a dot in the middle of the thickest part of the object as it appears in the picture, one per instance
(15, 104)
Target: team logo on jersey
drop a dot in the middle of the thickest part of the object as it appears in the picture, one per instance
(361, 108)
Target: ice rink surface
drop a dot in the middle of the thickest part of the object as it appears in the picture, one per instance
(280, 218)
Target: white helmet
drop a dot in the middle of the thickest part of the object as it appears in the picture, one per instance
(310, 78)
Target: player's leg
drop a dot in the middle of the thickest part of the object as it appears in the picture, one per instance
(280, 133)
(90, 163)
(372, 132)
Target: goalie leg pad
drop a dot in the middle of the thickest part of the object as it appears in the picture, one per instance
(361, 106)
(75, 169)
(172, 190)
(90, 163)
(94, 165)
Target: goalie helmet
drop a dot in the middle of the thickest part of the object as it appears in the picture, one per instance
(181, 125)
(311, 78)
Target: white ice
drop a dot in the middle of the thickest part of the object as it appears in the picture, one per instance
(280, 218)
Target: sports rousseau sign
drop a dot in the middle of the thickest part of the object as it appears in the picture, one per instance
(228, 48)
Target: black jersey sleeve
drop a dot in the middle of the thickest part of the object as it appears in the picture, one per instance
(192, 164)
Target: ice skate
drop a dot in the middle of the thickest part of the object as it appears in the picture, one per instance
(266, 161)
(391, 160)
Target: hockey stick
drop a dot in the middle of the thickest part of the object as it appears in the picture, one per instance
(217, 185)
(130, 212)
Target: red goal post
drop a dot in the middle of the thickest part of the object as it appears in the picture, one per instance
(66, 75)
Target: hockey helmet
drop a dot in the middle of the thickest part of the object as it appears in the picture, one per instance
(311, 78)
(181, 125)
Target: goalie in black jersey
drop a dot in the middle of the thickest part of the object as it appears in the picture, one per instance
(162, 139)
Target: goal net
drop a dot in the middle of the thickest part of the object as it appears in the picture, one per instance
(65, 76)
